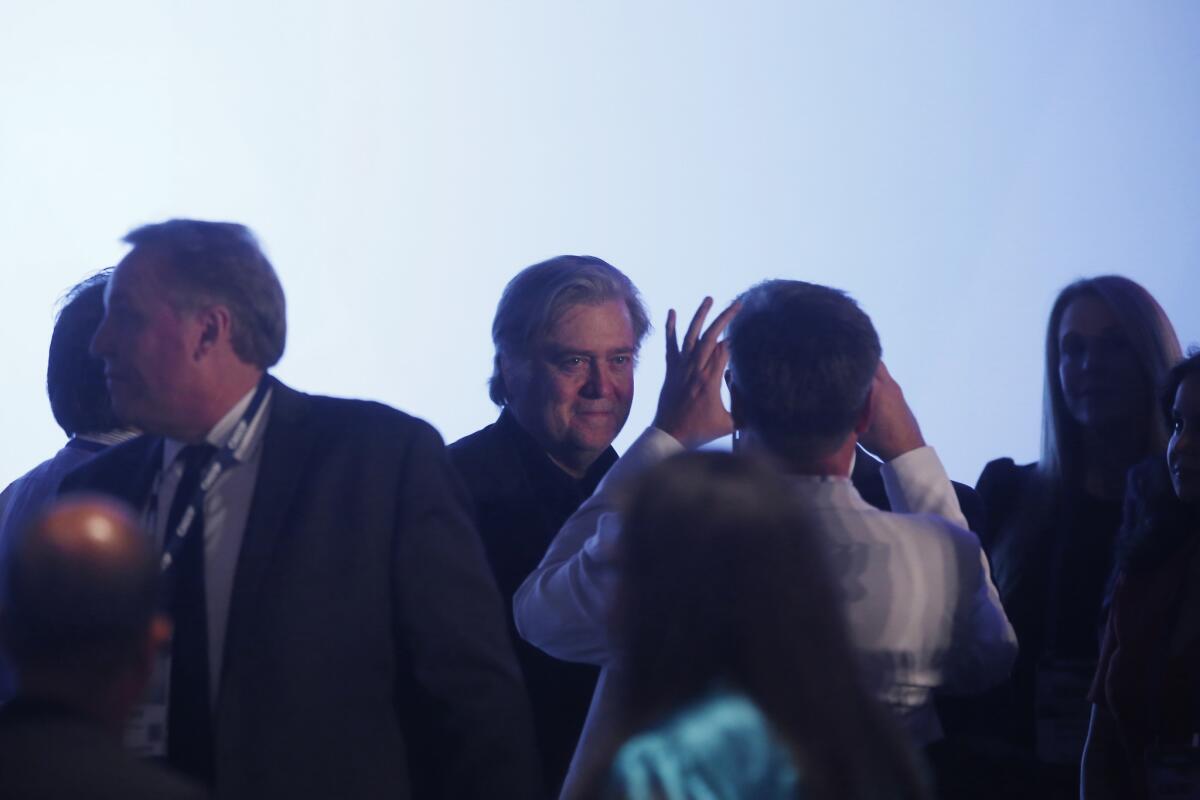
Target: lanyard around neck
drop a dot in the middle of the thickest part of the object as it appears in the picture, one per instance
(225, 457)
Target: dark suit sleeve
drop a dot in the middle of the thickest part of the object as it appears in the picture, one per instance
(454, 633)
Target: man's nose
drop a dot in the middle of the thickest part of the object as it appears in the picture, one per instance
(597, 382)
(100, 340)
(1185, 439)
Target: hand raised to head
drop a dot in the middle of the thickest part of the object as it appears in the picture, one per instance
(894, 429)
(690, 406)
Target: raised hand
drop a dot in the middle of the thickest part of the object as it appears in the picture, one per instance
(894, 430)
(690, 406)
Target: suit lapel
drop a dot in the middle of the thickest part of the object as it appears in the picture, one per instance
(287, 443)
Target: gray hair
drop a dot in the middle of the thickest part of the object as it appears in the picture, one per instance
(538, 296)
(221, 262)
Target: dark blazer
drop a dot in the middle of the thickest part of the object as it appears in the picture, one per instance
(366, 653)
(869, 482)
(521, 499)
(48, 752)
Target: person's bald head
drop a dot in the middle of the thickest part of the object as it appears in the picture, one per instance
(81, 590)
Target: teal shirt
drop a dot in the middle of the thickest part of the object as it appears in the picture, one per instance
(719, 748)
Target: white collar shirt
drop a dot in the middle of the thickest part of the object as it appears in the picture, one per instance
(226, 511)
(921, 607)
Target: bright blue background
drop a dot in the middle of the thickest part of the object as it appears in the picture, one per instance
(950, 164)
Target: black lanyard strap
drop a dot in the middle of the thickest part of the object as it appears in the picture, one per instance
(225, 457)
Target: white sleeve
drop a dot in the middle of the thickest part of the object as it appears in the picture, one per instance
(562, 607)
(917, 483)
(983, 644)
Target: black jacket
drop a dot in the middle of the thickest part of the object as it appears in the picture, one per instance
(521, 499)
(365, 654)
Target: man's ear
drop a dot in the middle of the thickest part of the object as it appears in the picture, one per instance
(514, 371)
(216, 325)
(866, 414)
(735, 401)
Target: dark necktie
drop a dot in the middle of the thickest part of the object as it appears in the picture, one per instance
(189, 723)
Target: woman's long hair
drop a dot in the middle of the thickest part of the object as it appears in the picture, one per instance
(1156, 522)
(1062, 466)
(724, 582)
(1153, 340)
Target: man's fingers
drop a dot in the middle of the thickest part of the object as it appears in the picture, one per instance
(693, 331)
(709, 343)
(672, 342)
(718, 361)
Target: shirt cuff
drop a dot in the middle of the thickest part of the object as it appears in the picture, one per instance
(911, 478)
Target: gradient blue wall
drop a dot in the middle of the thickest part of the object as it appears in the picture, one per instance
(950, 164)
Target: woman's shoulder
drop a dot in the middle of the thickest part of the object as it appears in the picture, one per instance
(1003, 472)
(1004, 483)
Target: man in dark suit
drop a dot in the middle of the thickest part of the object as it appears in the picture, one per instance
(566, 333)
(78, 616)
(336, 629)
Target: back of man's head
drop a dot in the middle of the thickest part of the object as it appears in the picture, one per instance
(74, 377)
(79, 597)
(802, 358)
(222, 263)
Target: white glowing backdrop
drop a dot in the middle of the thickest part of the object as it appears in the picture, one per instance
(950, 164)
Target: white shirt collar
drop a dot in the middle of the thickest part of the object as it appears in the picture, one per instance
(222, 430)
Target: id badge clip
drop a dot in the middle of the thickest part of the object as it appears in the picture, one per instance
(146, 730)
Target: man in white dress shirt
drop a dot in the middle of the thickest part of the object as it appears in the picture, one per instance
(806, 386)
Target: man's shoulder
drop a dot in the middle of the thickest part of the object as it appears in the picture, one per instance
(350, 418)
(927, 532)
(482, 442)
(483, 456)
(113, 469)
(1005, 475)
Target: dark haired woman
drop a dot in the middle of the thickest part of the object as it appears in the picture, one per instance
(739, 678)
(1147, 690)
(1051, 525)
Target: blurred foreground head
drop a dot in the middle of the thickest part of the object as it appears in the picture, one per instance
(78, 609)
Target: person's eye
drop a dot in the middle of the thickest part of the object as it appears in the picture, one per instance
(123, 316)
(622, 361)
(1071, 346)
(572, 363)
(1177, 425)
(1114, 344)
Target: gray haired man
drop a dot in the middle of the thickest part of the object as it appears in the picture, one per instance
(567, 333)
